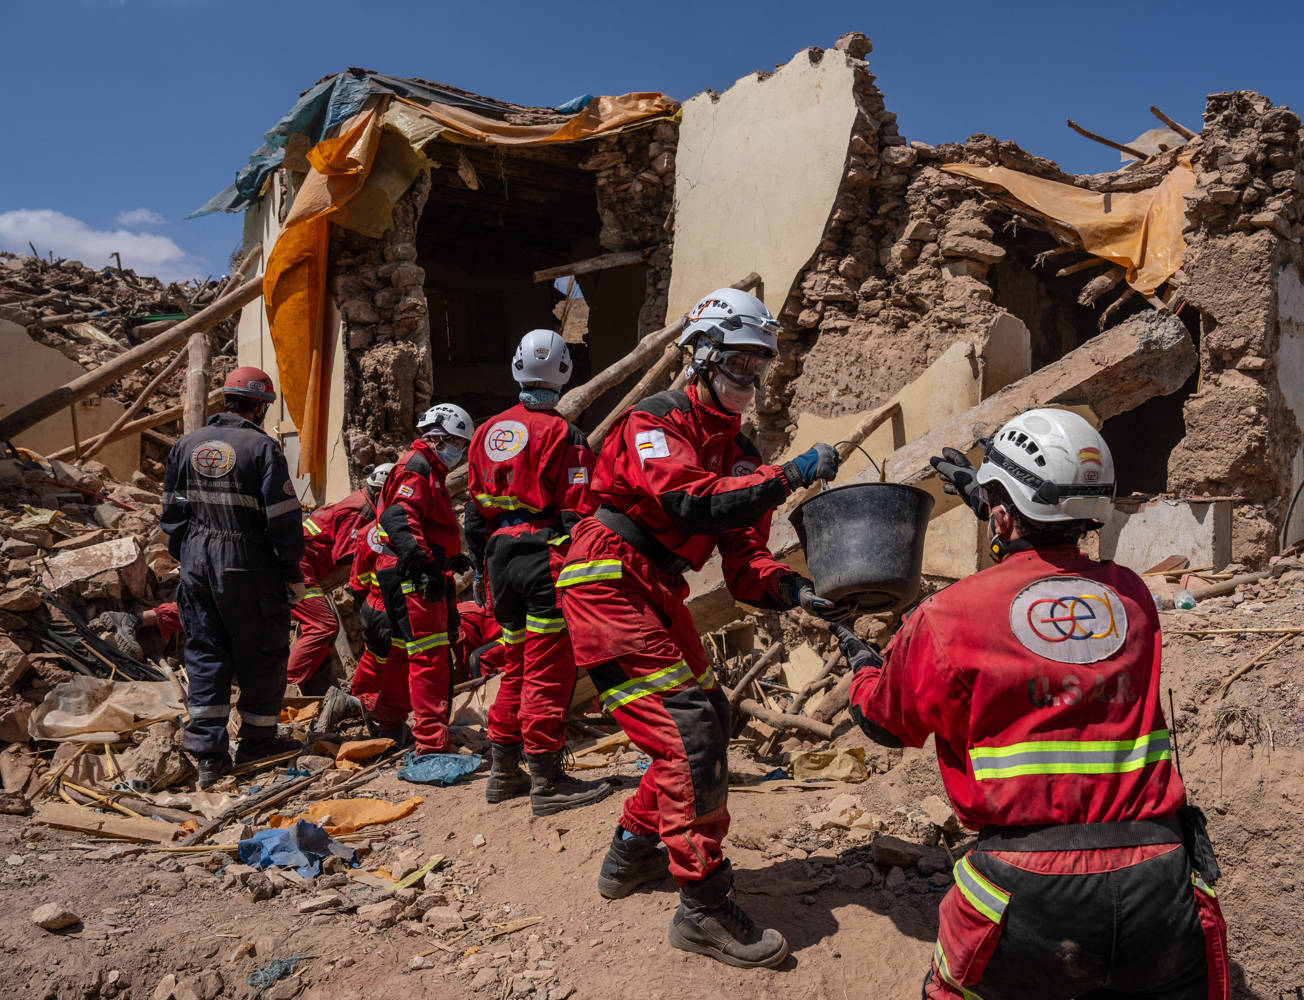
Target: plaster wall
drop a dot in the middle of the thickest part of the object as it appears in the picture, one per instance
(1289, 364)
(1140, 537)
(29, 370)
(254, 347)
(756, 174)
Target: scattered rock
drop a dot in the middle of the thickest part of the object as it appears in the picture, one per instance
(939, 813)
(53, 917)
(893, 851)
(317, 904)
(478, 840)
(382, 914)
(442, 918)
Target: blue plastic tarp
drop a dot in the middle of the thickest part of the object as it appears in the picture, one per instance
(302, 847)
(438, 768)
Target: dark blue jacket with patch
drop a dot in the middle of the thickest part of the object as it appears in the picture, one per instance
(228, 499)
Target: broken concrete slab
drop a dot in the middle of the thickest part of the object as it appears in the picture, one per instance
(14, 664)
(122, 556)
(1142, 534)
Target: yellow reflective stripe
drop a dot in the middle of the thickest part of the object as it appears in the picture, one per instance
(1070, 756)
(588, 572)
(561, 540)
(639, 687)
(988, 899)
(512, 638)
(427, 642)
(944, 970)
(544, 626)
(381, 533)
(313, 592)
(505, 503)
(707, 680)
(369, 578)
(1203, 886)
(409, 587)
(311, 528)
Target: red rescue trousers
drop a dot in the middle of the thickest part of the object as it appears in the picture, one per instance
(539, 676)
(371, 674)
(317, 628)
(419, 624)
(630, 629)
(167, 619)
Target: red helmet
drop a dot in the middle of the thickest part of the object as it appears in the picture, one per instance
(250, 381)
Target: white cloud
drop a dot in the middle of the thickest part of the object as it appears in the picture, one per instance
(140, 217)
(144, 253)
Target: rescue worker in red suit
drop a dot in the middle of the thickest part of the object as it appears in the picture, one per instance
(480, 650)
(370, 674)
(529, 484)
(676, 480)
(420, 540)
(1039, 678)
(233, 523)
(330, 536)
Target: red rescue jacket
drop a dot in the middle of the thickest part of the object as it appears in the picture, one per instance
(416, 515)
(330, 534)
(1040, 679)
(529, 470)
(689, 478)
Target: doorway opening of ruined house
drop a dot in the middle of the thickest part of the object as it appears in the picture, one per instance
(494, 216)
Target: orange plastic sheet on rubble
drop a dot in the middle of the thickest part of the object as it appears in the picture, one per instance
(348, 756)
(1141, 231)
(340, 816)
(354, 181)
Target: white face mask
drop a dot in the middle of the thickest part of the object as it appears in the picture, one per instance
(733, 397)
(449, 454)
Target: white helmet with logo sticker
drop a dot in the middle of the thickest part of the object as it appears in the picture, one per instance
(447, 418)
(376, 478)
(1054, 465)
(542, 356)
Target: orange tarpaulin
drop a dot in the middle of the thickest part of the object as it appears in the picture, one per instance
(294, 286)
(340, 816)
(1141, 231)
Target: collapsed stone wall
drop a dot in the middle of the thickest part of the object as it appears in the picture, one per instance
(635, 181)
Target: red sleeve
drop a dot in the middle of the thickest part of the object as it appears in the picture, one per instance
(915, 693)
(698, 502)
(751, 572)
(572, 465)
(408, 494)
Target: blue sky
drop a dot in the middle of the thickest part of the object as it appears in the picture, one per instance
(137, 111)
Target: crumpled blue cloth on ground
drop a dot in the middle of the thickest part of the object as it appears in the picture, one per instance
(302, 847)
(438, 768)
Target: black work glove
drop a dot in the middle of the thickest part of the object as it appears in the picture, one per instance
(412, 562)
(960, 478)
(459, 563)
(798, 591)
(859, 653)
(818, 462)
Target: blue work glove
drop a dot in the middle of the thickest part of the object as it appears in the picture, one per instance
(960, 478)
(819, 462)
(798, 591)
(859, 653)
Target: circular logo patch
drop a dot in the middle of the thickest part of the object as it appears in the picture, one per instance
(743, 467)
(373, 539)
(504, 439)
(213, 459)
(1069, 619)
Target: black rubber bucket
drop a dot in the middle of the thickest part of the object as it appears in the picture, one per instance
(865, 541)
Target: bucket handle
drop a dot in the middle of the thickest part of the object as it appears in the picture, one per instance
(853, 444)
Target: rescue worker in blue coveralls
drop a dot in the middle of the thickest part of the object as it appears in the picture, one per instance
(234, 524)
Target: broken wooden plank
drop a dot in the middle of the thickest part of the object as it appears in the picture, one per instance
(106, 374)
(1181, 130)
(781, 720)
(143, 424)
(1103, 141)
(754, 671)
(600, 263)
(67, 817)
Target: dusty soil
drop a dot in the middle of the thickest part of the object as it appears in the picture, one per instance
(856, 929)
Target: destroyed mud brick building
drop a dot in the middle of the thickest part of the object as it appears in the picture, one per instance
(1166, 296)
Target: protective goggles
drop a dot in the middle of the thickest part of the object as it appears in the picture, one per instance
(742, 367)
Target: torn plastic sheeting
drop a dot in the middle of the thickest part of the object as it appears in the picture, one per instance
(340, 816)
(350, 753)
(302, 847)
(93, 710)
(830, 765)
(1141, 231)
(438, 768)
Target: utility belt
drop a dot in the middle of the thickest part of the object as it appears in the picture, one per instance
(644, 544)
(1081, 836)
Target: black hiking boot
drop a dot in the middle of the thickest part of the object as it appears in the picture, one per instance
(121, 626)
(552, 790)
(710, 923)
(337, 706)
(398, 731)
(211, 768)
(506, 779)
(260, 749)
(630, 862)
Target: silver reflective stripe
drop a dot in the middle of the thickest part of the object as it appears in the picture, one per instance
(986, 898)
(259, 720)
(638, 687)
(209, 711)
(219, 499)
(1070, 757)
(277, 509)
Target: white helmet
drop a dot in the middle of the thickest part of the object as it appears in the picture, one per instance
(730, 318)
(446, 418)
(376, 478)
(542, 356)
(1054, 465)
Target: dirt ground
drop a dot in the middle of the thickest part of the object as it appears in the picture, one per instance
(159, 925)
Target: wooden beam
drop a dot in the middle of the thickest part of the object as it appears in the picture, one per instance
(1082, 265)
(781, 720)
(654, 374)
(1181, 130)
(137, 405)
(1106, 142)
(754, 671)
(108, 373)
(143, 424)
(599, 263)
